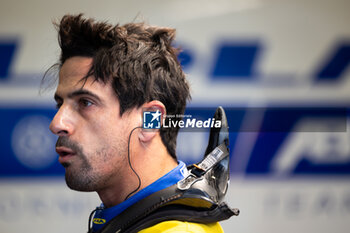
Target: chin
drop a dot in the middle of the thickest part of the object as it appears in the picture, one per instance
(79, 182)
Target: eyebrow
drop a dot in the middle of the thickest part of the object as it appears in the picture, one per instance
(78, 93)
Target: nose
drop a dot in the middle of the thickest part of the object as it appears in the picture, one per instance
(61, 124)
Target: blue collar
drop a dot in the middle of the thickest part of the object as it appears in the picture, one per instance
(104, 215)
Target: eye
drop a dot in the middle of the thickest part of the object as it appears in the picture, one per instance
(85, 103)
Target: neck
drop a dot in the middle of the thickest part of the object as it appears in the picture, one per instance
(150, 161)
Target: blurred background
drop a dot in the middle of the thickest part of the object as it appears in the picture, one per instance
(280, 68)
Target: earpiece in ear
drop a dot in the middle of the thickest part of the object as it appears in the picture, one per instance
(152, 116)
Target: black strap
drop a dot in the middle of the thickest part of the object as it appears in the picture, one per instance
(141, 209)
(163, 206)
(182, 213)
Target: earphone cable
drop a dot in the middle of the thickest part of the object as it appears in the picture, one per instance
(138, 177)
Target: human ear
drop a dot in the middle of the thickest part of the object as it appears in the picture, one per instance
(146, 135)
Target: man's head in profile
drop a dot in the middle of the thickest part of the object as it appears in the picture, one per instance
(108, 75)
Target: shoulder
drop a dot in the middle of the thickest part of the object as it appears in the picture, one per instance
(175, 226)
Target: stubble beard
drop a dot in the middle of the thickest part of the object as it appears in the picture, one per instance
(80, 179)
(80, 174)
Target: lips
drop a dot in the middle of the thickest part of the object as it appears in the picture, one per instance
(65, 154)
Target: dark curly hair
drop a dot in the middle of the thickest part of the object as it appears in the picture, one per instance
(137, 59)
